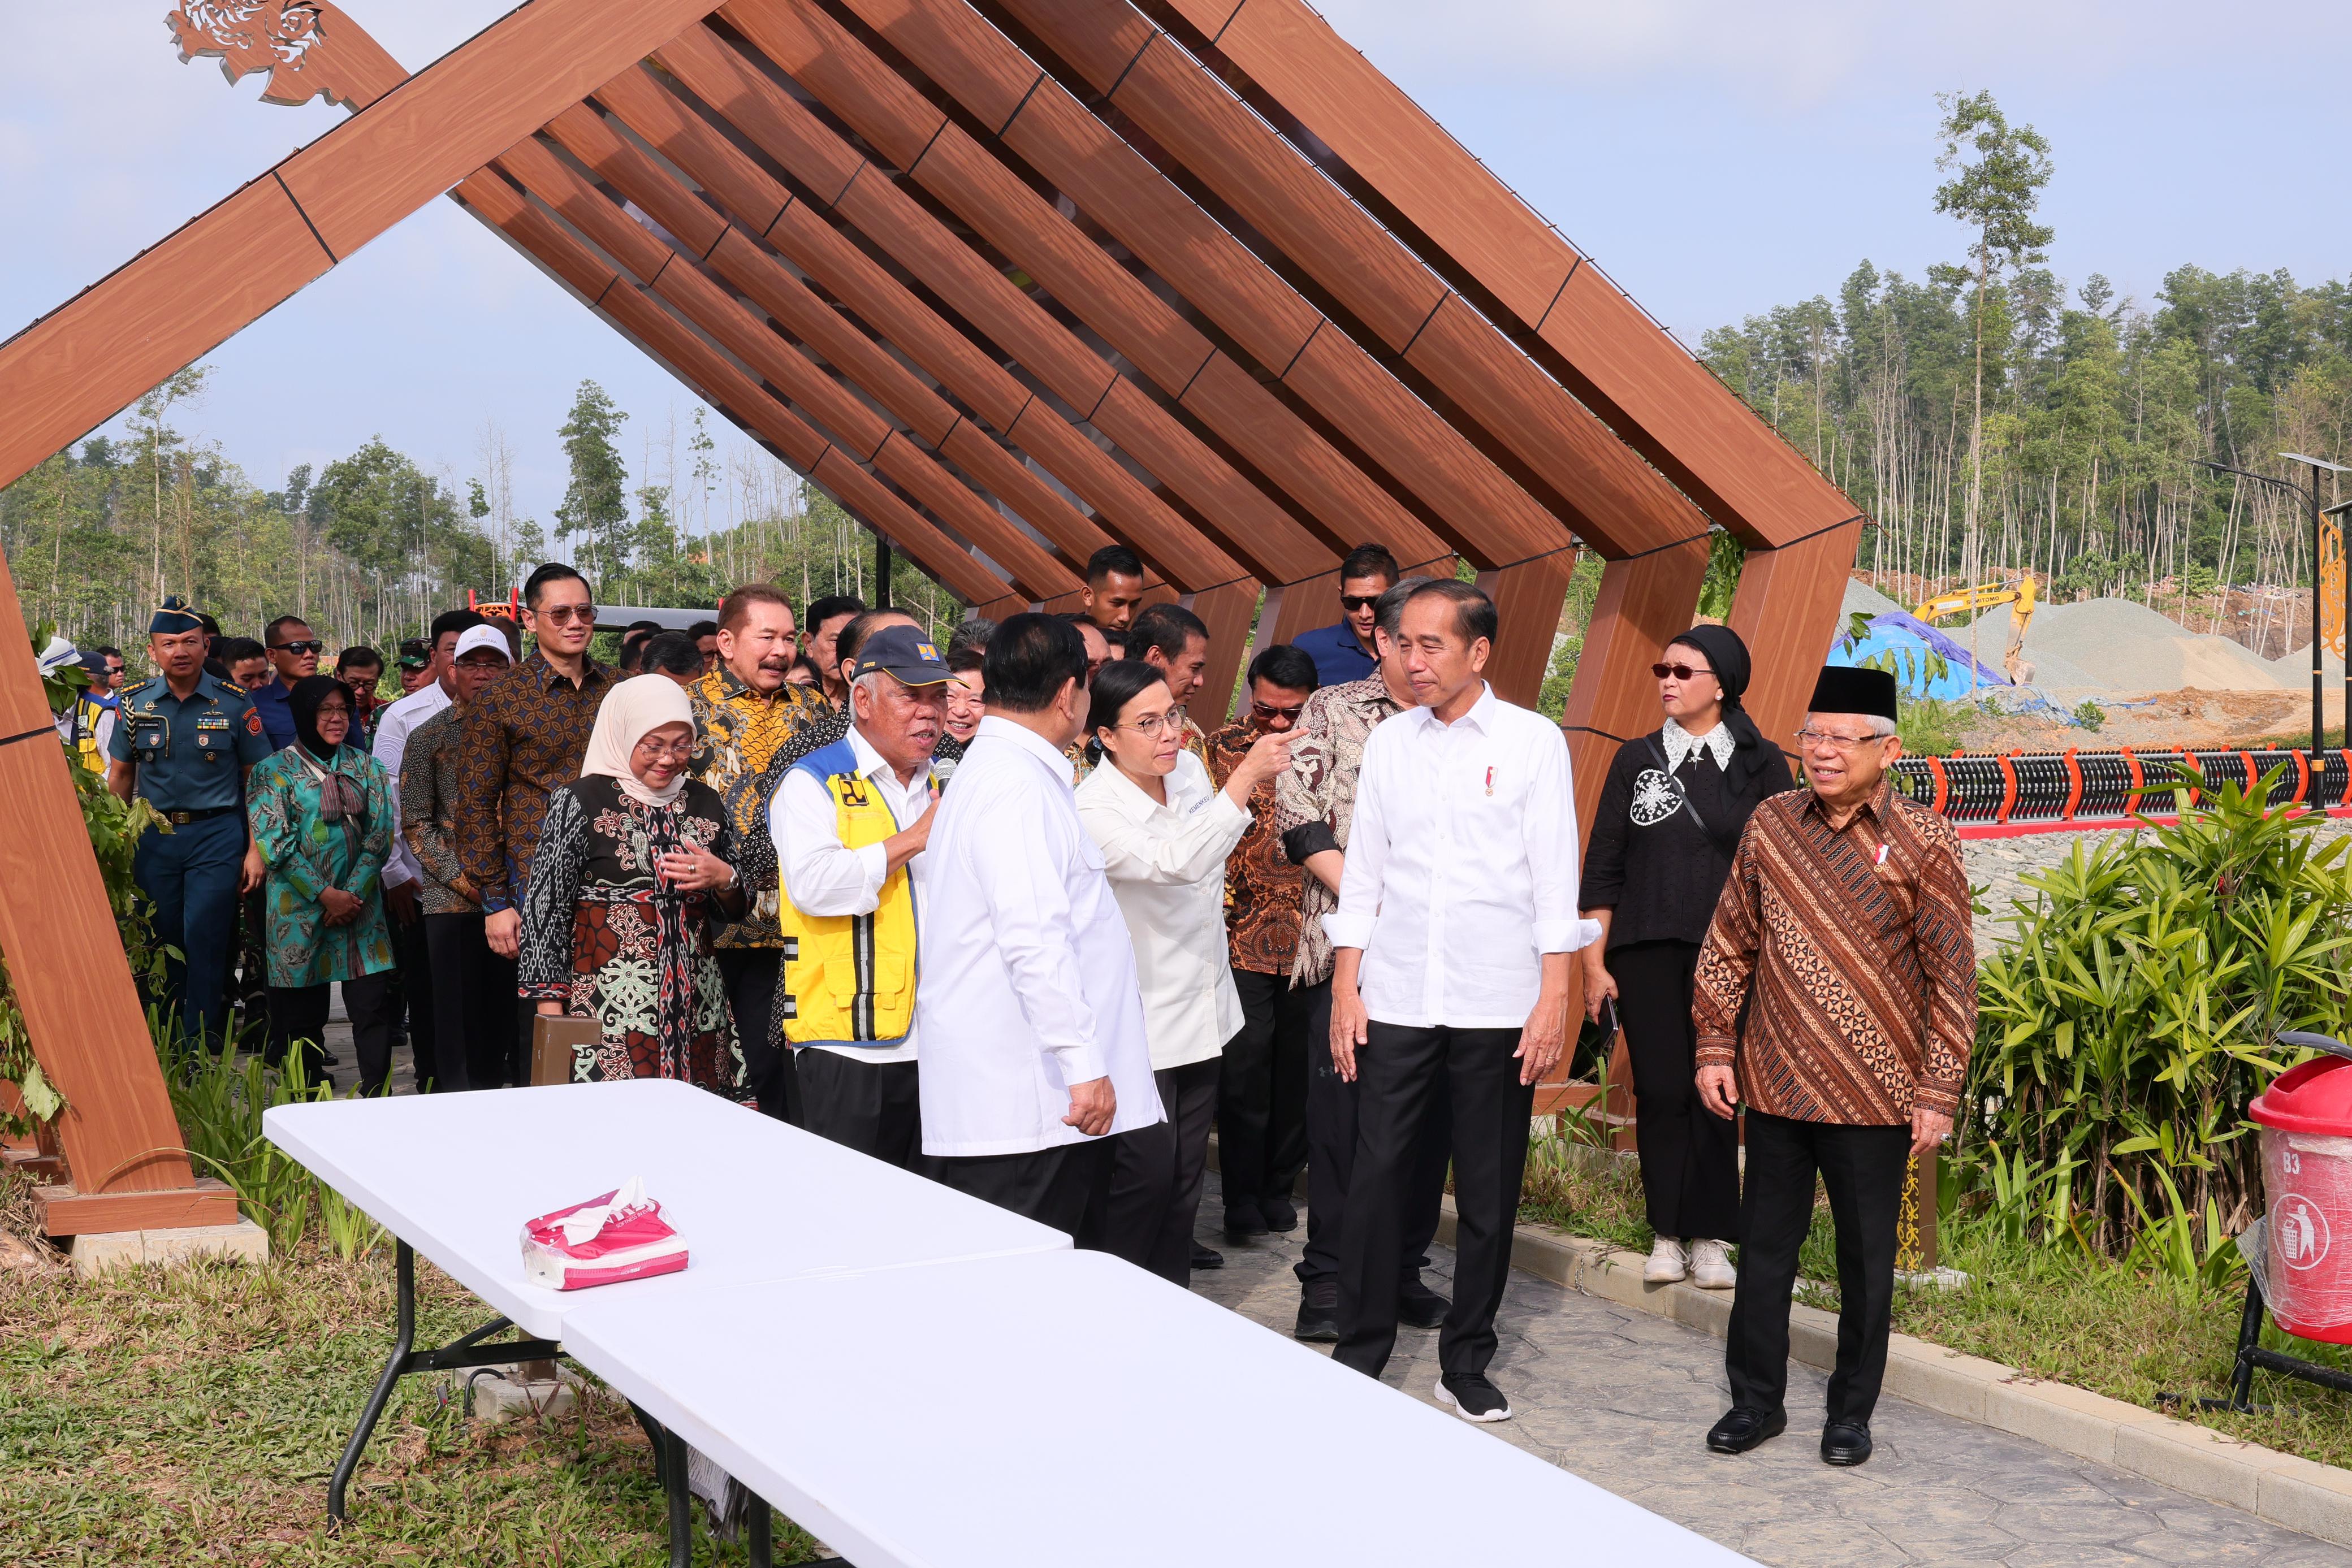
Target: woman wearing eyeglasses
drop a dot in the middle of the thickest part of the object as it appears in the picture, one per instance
(321, 814)
(634, 862)
(1670, 818)
(1164, 832)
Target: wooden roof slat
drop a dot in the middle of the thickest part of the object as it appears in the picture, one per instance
(1216, 273)
(1617, 360)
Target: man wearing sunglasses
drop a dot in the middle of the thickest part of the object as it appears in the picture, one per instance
(294, 650)
(525, 735)
(1344, 652)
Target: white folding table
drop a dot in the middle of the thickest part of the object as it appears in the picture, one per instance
(1067, 1410)
(455, 1176)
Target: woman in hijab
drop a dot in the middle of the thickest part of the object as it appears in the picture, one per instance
(634, 862)
(1670, 818)
(321, 815)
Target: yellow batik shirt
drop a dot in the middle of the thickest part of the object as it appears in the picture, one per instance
(737, 733)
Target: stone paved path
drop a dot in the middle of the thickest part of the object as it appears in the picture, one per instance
(1624, 1399)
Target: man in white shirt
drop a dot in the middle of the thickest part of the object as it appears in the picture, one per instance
(849, 822)
(1458, 914)
(393, 728)
(1030, 1012)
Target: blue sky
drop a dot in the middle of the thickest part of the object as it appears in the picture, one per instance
(1718, 159)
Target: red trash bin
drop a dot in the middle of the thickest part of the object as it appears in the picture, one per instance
(2306, 1118)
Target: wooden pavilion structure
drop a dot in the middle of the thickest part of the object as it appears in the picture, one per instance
(1011, 280)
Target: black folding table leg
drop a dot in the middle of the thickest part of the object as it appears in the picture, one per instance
(2249, 1337)
(404, 1268)
(758, 1532)
(681, 1501)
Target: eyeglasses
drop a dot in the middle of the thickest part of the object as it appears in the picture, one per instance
(1679, 671)
(669, 750)
(1264, 711)
(565, 614)
(1169, 722)
(1351, 602)
(312, 646)
(1810, 737)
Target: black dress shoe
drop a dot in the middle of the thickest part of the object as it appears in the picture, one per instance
(1846, 1443)
(1207, 1256)
(1318, 1314)
(1742, 1428)
(1244, 1221)
(1420, 1307)
(1281, 1214)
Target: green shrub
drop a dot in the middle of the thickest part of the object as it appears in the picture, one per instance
(219, 1101)
(2127, 1019)
(2090, 716)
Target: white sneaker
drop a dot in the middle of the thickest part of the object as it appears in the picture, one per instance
(1666, 1263)
(1711, 1267)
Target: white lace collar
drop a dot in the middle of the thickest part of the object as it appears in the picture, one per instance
(1680, 743)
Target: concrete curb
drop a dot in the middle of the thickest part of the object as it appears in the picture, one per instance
(2285, 1489)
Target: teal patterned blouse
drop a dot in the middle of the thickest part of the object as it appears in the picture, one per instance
(307, 854)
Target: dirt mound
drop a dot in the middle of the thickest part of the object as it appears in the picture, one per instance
(2127, 647)
(1862, 599)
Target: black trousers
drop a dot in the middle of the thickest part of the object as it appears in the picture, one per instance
(1262, 1091)
(1054, 1187)
(770, 1070)
(1156, 1175)
(874, 1107)
(1863, 1167)
(473, 1004)
(413, 997)
(298, 1014)
(1331, 1102)
(1398, 1073)
(1690, 1156)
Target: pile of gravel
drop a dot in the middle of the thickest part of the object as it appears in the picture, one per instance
(2122, 647)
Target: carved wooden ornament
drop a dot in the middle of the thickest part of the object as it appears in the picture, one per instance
(289, 39)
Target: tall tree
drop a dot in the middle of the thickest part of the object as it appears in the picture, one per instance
(595, 509)
(1995, 194)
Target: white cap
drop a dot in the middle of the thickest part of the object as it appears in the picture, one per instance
(473, 637)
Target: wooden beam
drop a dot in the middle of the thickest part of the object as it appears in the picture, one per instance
(1226, 613)
(1527, 597)
(1622, 364)
(1643, 603)
(1786, 608)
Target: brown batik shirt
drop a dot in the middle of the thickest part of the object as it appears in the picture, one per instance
(1315, 801)
(1864, 1004)
(524, 737)
(428, 793)
(737, 733)
(1261, 884)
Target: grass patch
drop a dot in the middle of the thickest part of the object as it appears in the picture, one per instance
(194, 1415)
(2063, 1317)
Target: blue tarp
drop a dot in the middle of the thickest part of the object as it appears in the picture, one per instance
(1910, 640)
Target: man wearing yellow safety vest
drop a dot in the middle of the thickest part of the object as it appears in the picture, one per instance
(850, 823)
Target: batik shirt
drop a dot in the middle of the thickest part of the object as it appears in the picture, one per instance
(1262, 887)
(306, 854)
(1863, 998)
(737, 733)
(524, 739)
(1315, 801)
(429, 798)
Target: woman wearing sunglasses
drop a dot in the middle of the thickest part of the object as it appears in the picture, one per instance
(322, 812)
(635, 862)
(1164, 830)
(1669, 819)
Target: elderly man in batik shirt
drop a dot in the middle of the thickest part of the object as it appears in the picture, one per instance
(1836, 997)
(744, 713)
(1313, 806)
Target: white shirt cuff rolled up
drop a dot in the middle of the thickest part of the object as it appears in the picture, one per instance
(1349, 930)
(1565, 935)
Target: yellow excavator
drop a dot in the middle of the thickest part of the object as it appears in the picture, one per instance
(2019, 596)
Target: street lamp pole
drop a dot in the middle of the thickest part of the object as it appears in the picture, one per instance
(2310, 493)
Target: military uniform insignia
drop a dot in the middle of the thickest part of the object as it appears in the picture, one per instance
(252, 721)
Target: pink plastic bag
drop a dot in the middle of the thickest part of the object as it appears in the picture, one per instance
(620, 1236)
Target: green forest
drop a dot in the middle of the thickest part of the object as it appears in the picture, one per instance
(371, 546)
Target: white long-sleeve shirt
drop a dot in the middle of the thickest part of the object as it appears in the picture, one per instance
(822, 876)
(392, 732)
(1029, 981)
(1461, 868)
(1167, 868)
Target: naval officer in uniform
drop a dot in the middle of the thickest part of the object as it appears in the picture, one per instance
(183, 744)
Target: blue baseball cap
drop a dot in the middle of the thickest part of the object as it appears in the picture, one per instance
(905, 652)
